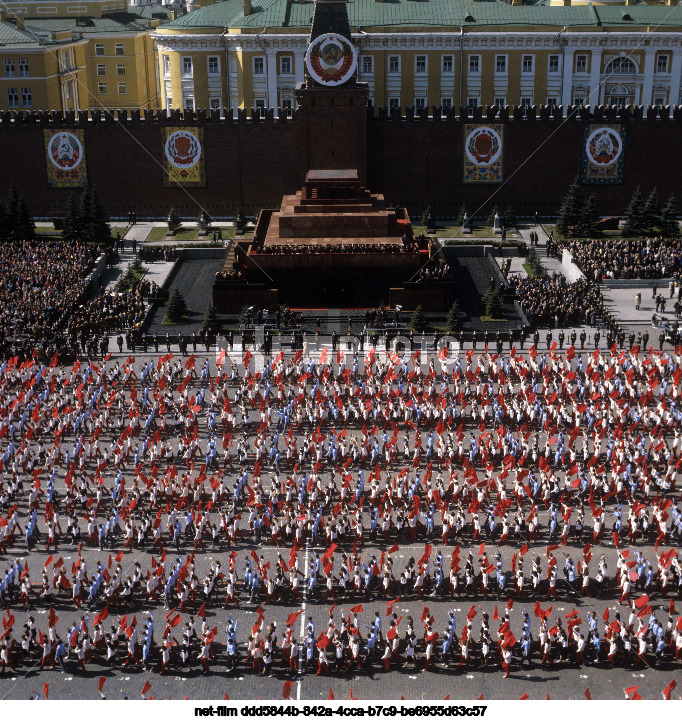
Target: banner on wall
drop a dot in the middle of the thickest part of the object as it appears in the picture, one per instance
(65, 156)
(483, 153)
(183, 156)
(603, 154)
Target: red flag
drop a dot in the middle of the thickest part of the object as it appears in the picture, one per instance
(496, 616)
(202, 611)
(425, 613)
(605, 615)
(524, 697)
(394, 548)
(46, 690)
(330, 696)
(481, 549)
(145, 688)
(119, 556)
(669, 689)
(100, 684)
(588, 695)
(357, 609)
(286, 690)
(48, 562)
(524, 549)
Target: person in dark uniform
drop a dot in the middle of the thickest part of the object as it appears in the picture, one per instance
(548, 338)
(511, 339)
(596, 339)
(168, 342)
(145, 342)
(522, 337)
(645, 340)
(156, 343)
(631, 339)
(661, 340)
(536, 338)
(194, 341)
(562, 337)
(573, 337)
(473, 340)
(583, 338)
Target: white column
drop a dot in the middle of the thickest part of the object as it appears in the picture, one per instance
(648, 84)
(299, 66)
(272, 79)
(595, 75)
(675, 77)
(567, 79)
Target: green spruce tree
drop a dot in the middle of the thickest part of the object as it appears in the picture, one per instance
(454, 319)
(493, 304)
(509, 218)
(462, 213)
(97, 223)
(650, 212)
(418, 320)
(173, 220)
(72, 222)
(211, 321)
(176, 310)
(589, 217)
(491, 216)
(571, 210)
(668, 224)
(633, 215)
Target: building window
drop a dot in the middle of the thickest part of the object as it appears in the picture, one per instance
(446, 103)
(12, 98)
(420, 103)
(659, 101)
(661, 64)
(189, 103)
(551, 102)
(259, 66)
(474, 63)
(368, 64)
(214, 103)
(581, 63)
(285, 65)
(99, 49)
(448, 64)
(120, 70)
(420, 64)
(618, 102)
(287, 107)
(620, 66)
(23, 67)
(102, 88)
(213, 65)
(119, 49)
(527, 64)
(553, 66)
(260, 107)
(500, 102)
(187, 66)
(122, 88)
(393, 104)
(394, 64)
(472, 102)
(166, 64)
(500, 63)
(526, 103)
(578, 100)
(101, 70)
(26, 97)
(9, 67)
(169, 102)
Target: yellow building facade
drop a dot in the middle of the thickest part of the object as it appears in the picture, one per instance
(102, 58)
(440, 53)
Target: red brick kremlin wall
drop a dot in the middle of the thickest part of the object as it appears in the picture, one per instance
(412, 160)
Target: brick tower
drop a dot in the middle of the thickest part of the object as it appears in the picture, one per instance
(333, 105)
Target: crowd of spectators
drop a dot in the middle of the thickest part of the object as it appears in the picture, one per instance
(152, 253)
(618, 258)
(435, 269)
(555, 303)
(40, 283)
